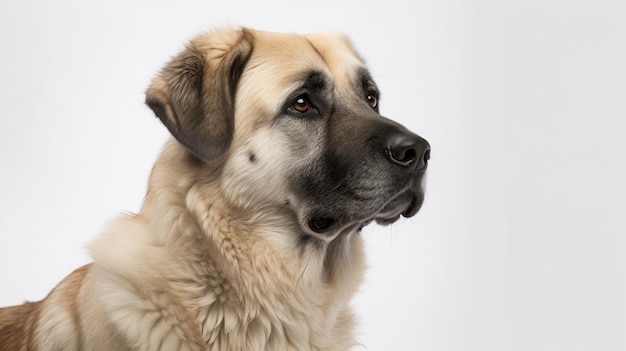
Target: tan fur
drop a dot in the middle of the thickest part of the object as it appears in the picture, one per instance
(211, 261)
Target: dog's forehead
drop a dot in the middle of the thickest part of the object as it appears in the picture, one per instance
(290, 56)
(336, 51)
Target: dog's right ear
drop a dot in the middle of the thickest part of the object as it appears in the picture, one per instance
(194, 95)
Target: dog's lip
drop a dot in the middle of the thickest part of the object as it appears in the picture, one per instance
(322, 224)
(414, 206)
(409, 210)
(406, 204)
(387, 220)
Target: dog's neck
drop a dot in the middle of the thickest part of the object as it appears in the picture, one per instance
(197, 234)
(216, 262)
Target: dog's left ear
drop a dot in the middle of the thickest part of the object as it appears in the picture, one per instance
(194, 95)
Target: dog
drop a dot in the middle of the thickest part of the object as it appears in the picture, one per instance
(249, 234)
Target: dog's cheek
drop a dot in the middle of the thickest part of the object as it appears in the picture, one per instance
(256, 171)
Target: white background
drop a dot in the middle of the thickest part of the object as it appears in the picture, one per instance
(521, 244)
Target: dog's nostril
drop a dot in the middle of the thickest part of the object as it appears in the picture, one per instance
(407, 156)
(427, 155)
(408, 149)
(403, 156)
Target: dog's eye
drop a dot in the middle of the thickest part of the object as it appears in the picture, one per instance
(372, 100)
(301, 104)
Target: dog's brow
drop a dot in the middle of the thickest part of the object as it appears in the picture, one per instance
(365, 81)
(315, 80)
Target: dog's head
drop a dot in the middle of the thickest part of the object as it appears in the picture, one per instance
(293, 122)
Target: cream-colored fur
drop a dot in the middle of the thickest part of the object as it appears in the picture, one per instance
(203, 272)
(220, 256)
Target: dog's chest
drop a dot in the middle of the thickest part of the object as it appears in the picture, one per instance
(229, 316)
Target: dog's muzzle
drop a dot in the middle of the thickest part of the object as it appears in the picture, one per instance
(373, 171)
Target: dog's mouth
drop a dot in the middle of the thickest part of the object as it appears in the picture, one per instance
(405, 205)
(327, 226)
(322, 224)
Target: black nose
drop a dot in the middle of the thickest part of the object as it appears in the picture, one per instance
(407, 149)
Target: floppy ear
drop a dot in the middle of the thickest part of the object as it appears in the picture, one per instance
(194, 95)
